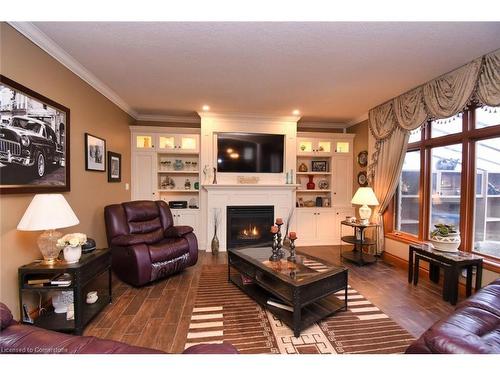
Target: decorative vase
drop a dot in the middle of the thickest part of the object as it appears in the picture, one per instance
(448, 243)
(61, 301)
(72, 254)
(178, 165)
(310, 185)
(215, 177)
(215, 244)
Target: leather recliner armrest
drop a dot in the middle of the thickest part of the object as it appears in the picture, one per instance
(132, 263)
(178, 231)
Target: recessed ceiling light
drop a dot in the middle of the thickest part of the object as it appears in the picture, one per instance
(206, 108)
(295, 112)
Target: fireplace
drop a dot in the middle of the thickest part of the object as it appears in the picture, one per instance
(249, 225)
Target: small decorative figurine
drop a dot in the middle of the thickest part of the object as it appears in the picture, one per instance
(187, 184)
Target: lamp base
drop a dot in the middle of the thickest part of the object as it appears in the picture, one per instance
(47, 243)
(365, 212)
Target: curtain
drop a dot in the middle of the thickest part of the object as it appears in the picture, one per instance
(391, 155)
(391, 122)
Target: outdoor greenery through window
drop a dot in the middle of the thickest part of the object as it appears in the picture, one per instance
(436, 186)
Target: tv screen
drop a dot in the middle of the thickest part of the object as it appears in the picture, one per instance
(252, 153)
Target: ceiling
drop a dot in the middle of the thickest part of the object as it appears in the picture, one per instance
(331, 71)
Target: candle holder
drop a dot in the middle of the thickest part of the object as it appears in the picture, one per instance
(275, 257)
(281, 252)
(292, 257)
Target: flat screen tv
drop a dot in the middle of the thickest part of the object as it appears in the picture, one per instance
(250, 153)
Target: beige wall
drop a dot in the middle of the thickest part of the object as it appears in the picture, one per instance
(360, 144)
(91, 112)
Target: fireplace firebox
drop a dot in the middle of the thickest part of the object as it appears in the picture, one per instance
(249, 226)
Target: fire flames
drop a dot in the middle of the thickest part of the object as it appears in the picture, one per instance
(249, 233)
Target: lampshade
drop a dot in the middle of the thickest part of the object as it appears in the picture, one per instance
(47, 211)
(365, 196)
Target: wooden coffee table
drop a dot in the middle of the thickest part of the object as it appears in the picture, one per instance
(306, 286)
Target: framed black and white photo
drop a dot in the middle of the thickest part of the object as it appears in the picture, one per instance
(95, 153)
(114, 167)
(34, 141)
(319, 166)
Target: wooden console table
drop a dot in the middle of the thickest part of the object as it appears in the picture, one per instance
(452, 263)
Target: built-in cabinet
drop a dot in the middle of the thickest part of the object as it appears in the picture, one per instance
(166, 166)
(326, 160)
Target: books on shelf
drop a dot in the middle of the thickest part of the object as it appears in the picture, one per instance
(63, 279)
(279, 304)
(246, 280)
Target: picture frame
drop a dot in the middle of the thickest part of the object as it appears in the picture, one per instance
(114, 167)
(362, 179)
(363, 158)
(34, 141)
(95, 153)
(319, 166)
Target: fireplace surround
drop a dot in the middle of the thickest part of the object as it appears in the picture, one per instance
(248, 225)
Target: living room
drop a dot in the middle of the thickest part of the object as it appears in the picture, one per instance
(250, 188)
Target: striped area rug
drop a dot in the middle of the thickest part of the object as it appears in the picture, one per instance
(223, 313)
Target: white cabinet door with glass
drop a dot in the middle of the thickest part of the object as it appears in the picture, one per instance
(143, 142)
(314, 147)
(178, 143)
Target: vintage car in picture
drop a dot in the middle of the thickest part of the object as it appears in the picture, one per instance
(30, 143)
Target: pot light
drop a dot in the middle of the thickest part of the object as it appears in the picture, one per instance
(206, 108)
(295, 112)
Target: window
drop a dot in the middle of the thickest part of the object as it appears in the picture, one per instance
(487, 210)
(451, 175)
(407, 195)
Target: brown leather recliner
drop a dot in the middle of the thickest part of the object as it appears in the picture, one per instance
(144, 242)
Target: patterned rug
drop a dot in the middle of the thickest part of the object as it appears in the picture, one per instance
(223, 313)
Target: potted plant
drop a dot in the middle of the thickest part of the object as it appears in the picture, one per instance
(72, 245)
(445, 237)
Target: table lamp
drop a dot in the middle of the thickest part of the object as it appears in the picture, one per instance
(365, 197)
(48, 212)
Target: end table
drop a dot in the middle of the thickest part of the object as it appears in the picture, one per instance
(91, 273)
(359, 240)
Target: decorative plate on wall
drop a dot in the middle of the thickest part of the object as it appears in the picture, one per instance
(363, 158)
(362, 179)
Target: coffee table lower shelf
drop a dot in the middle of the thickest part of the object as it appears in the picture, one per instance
(310, 313)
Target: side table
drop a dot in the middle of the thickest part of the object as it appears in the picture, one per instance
(91, 273)
(452, 263)
(356, 255)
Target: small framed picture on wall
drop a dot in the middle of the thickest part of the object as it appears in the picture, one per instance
(114, 167)
(95, 153)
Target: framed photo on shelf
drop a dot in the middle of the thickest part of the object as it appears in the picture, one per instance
(319, 166)
(34, 141)
(114, 167)
(95, 151)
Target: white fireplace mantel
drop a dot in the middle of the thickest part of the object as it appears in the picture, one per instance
(250, 186)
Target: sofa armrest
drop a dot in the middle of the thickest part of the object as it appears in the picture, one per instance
(211, 349)
(178, 231)
(132, 263)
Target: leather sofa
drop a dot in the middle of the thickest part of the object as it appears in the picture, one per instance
(473, 328)
(18, 338)
(145, 244)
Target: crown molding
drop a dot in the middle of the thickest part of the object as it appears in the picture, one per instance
(39, 38)
(168, 118)
(355, 121)
(322, 124)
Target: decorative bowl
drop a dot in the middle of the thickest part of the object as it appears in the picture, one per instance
(447, 244)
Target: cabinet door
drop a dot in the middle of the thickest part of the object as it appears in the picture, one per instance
(343, 147)
(143, 142)
(327, 231)
(306, 146)
(342, 180)
(305, 226)
(188, 143)
(188, 218)
(323, 147)
(166, 142)
(143, 175)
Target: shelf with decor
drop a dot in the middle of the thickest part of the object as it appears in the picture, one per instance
(313, 190)
(314, 173)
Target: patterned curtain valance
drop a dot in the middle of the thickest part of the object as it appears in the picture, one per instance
(442, 97)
